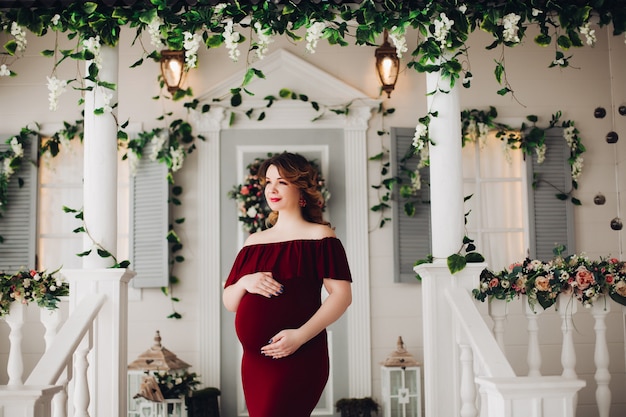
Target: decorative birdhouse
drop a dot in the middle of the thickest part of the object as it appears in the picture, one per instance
(145, 398)
(401, 384)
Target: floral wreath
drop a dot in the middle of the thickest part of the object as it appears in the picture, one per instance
(253, 211)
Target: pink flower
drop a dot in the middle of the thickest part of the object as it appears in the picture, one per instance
(613, 260)
(584, 278)
(493, 283)
(244, 191)
(609, 279)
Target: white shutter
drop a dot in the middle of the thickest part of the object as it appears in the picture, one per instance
(18, 224)
(411, 233)
(149, 220)
(551, 220)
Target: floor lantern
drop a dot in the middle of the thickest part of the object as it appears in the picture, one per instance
(145, 398)
(401, 384)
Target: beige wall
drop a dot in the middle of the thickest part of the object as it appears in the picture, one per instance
(600, 80)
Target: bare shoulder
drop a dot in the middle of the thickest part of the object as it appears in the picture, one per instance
(321, 231)
(257, 238)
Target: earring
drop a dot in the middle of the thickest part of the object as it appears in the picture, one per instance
(302, 202)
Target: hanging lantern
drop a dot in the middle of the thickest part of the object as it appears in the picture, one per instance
(401, 384)
(173, 69)
(387, 65)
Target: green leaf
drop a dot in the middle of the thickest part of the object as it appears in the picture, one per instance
(104, 253)
(236, 100)
(456, 263)
(564, 42)
(543, 40)
(284, 93)
(474, 257)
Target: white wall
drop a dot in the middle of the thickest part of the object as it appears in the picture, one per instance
(395, 308)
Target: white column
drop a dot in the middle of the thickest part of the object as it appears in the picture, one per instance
(357, 251)
(600, 310)
(100, 158)
(209, 125)
(446, 170)
(441, 373)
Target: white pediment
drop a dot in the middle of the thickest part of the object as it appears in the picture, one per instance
(283, 69)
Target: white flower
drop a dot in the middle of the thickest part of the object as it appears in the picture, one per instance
(559, 62)
(421, 131)
(53, 288)
(19, 33)
(265, 39)
(55, 19)
(178, 156)
(191, 45)
(16, 147)
(56, 87)
(590, 34)
(536, 12)
(26, 282)
(569, 133)
(251, 212)
(231, 39)
(158, 142)
(462, 8)
(424, 156)
(416, 181)
(6, 167)
(399, 40)
(467, 78)
(509, 22)
(155, 33)
(4, 71)
(107, 96)
(313, 34)
(93, 45)
(577, 168)
(541, 153)
(133, 162)
(442, 28)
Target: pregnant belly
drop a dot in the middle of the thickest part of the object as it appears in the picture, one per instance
(259, 318)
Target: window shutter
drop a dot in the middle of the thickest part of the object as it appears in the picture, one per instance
(551, 221)
(411, 233)
(18, 225)
(149, 219)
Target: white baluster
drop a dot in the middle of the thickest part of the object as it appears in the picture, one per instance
(533, 357)
(497, 311)
(468, 387)
(81, 384)
(599, 311)
(567, 306)
(15, 364)
(51, 320)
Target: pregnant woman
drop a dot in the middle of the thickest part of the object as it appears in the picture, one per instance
(275, 289)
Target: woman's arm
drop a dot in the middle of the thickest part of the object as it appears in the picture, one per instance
(287, 341)
(260, 283)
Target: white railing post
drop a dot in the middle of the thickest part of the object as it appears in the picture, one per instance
(51, 320)
(441, 352)
(497, 311)
(15, 364)
(567, 307)
(108, 360)
(468, 386)
(599, 310)
(533, 357)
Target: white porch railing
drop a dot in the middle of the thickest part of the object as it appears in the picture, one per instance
(466, 373)
(91, 342)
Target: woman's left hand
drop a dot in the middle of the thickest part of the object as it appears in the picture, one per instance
(283, 344)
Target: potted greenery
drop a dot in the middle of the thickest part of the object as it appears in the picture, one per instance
(357, 407)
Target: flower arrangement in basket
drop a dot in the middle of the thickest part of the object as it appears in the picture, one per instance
(253, 211)
(543, 282)
(29, 286)
(163, 385)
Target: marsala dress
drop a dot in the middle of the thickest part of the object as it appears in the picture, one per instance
(290, 386)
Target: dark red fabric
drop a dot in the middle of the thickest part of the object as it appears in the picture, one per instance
(291, 386)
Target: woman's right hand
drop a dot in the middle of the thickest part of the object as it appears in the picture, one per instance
(262, 283)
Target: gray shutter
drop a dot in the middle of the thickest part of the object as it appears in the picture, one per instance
(18, 224)
(411, 233)
(551, 221)
(149, 220)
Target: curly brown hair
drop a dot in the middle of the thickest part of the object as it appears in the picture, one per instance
(297, 170)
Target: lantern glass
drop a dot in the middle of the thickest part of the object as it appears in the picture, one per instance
(401, 391)
(387, 65)
(173, 69)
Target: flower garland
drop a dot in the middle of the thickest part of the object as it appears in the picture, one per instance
(543, 282)
(253, 212)
(29, 286)
(176, 384)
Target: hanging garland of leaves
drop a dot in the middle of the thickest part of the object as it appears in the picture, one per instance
(251, 206)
